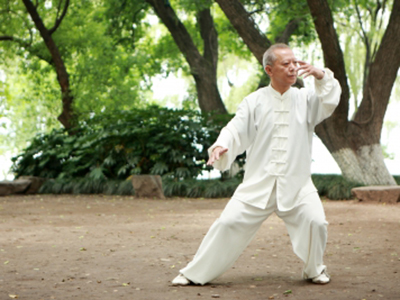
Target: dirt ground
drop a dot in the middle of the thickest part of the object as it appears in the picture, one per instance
(110, 247)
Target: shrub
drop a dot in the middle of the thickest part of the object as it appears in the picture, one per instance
(213, 188)
(87, 186)
(118, 144)
(334, 187)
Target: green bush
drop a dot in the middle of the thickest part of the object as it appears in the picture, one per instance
(335, 187)
(213, 188)
(118, 144)
(190, 188)
(87, 186)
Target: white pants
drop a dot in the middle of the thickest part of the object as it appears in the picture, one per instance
(238, 224)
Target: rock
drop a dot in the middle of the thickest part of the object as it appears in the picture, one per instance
(36, 183)
(387, 194)
(149, 186)
(14, 187)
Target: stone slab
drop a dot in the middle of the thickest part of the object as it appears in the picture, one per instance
(36, 183)
(381, 193)
(148, 186)
(14, 187)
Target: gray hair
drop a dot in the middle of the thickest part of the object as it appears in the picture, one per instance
(269, 56)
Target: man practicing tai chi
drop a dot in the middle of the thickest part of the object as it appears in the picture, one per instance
(275, 126)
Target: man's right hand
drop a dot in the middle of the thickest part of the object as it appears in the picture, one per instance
(216, 154)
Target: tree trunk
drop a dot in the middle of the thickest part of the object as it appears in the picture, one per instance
(66, 117)
(355, 145)
(364, 165)
(256, 41)
(245, 26)
(203, 68)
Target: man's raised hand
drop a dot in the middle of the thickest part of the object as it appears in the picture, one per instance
(305, 70)
(216, 154)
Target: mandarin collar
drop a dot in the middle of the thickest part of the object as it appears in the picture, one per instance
(278, 95)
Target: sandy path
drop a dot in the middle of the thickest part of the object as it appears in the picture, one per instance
(110, 247)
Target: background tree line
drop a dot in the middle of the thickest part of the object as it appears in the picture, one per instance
(75, 60)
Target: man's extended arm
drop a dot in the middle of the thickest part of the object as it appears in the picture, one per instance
(236, 136)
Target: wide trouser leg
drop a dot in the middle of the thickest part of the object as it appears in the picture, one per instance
(226, 240)
(307, 228)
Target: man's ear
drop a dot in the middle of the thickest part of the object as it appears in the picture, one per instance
(268, 70)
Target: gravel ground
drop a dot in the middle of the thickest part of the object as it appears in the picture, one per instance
(114, 247)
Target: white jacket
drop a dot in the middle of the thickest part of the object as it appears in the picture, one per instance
(277, 131)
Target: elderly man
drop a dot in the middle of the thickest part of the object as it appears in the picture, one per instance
(275, 126)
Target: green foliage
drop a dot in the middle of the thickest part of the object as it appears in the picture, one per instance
(87, 186)
(281, 12)
(100, 66)
(116, 145)
(215, 188)
(277, 14)
(335, 187)
(228, 41)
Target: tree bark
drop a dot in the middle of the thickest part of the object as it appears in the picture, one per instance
(67, 115)
(252, 36)
(203, 68)
(245, 26)
(355, 145)
(289, 29)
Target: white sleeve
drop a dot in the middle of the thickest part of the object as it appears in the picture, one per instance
(236, 136)
(326, 98)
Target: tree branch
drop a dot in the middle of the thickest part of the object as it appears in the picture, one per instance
(209, 36)
(290, 27)
(62, 75)
(6, 38)
(367, 45)
(245, 26)
(178, 31)
(16, 40)
(364, 34)
(385, 67)
(333, 55)
(59, 19)
(24, 20)
(256, 11)
(378, 8)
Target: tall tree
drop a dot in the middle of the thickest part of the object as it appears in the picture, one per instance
(56, 60)
(249, 31)
(254, 38)
(203, 67)
(354, 144)
(95, 63)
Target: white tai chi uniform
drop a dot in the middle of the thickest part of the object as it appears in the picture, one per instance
(276, 131)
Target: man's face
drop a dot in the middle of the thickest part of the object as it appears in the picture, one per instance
(284, 70)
